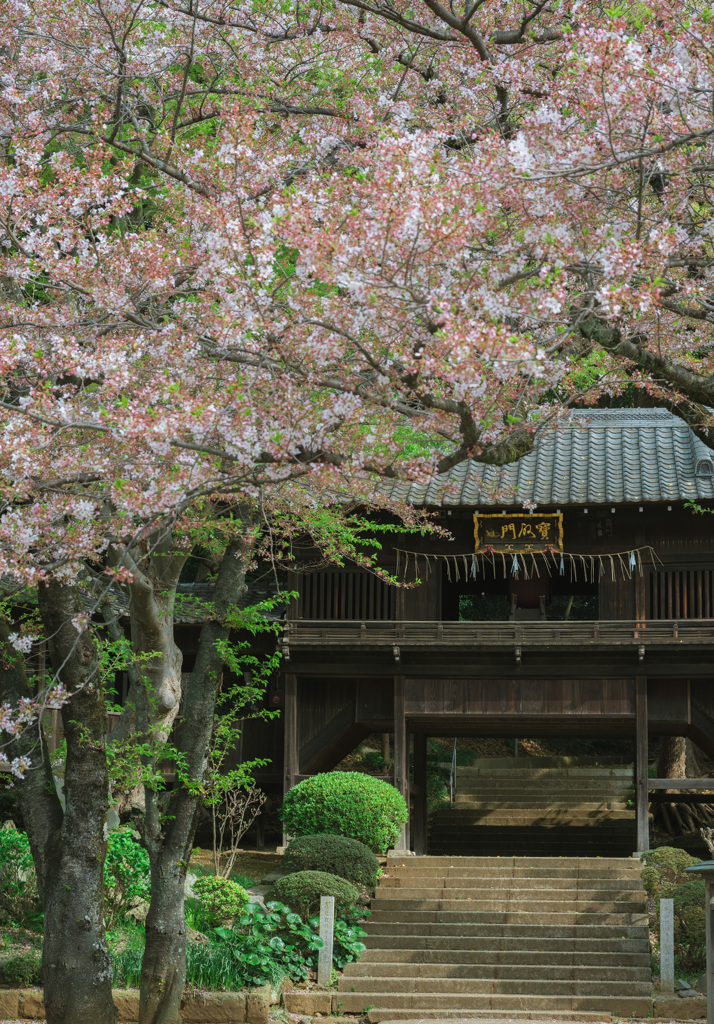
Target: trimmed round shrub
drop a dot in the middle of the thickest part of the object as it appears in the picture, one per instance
(302, 890)
(220, 899)
(337, 855)
(348, 804)
(23, 970)
(665, 867)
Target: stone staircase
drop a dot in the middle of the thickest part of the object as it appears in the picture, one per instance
(532, 807)
(492, 937)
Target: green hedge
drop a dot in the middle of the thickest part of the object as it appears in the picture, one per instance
(349, 804)
(302, 890)
(664, 877)
(337, 855)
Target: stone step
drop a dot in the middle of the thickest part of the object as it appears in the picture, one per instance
(504, 925)
(466, 907)
(541, 828)
(511, 939)
(470, 986)
(486, 1016)
(566, 957)
(508, 896)
(463, 918)
(545, 972)
(622, 1006)
(461, 808)
(540, 771)
(508, 848)
(501, 869)
(559, 865)
(491, 881)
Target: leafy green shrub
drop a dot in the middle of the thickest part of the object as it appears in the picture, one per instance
(337, 855)
(665, 867)
(373, 760)
(19, 898)
(219, 900)
(664, 877)
(127, 879)
(349, 804)
(24, 969)
(264, 945)
(690, 930)
(302, 890)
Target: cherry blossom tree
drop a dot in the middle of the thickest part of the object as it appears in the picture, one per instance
(259, 257)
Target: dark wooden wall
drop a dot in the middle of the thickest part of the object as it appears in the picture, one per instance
(486, 697)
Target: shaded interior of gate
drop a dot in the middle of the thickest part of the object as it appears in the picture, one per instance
(326, 718)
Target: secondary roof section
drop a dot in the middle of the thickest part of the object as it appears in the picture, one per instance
(596, 456)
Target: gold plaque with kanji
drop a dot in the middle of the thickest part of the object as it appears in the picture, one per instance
(519, 531)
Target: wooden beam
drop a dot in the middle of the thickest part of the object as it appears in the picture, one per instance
(660, 796)
(680, 784)
(401, 753)
(641, 759)
(291, 767)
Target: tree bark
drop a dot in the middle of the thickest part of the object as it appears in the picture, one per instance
(163, 970)
(41, 808)
(75, 960)
(672, 763)
(679, 759)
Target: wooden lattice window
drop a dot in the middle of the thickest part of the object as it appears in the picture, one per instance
(680, 594)
(345, 595)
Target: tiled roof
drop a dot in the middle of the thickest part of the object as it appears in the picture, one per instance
(596, 456)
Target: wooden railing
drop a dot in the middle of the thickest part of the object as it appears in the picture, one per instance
(315, 632)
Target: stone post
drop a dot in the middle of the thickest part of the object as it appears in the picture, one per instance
(666, 945)
(327, 934)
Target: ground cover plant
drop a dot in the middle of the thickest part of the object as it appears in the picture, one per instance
(348, 803)
(263, 945)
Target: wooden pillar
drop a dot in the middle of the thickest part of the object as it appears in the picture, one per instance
(420, 807)
(641, 758)
(290, 757)
(401, 753)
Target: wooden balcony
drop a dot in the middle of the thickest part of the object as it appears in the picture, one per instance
(375, 634)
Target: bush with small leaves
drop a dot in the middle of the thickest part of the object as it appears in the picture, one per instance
(19, 898)
(337, 855)
(302, 890)
(349, 804)
(664, 877)
(23, 970)
(127, 879)
(665, 867)
(219, 900)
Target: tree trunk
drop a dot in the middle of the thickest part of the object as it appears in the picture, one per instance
(76, 967)
(163, 969)
(41, 808)
(672, 763)
(680, 759)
